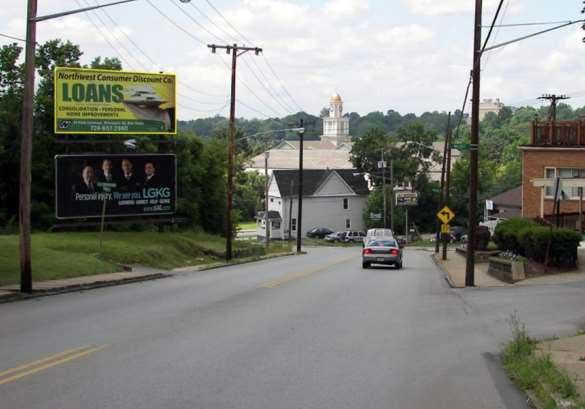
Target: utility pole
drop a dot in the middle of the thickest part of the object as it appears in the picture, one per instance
(236, 51)
(392, 195)
(300, 208)
(474, 149)
(383, 164)
(442, 194)
(266, 218)
(553, 98)
(552, 112)
(24, 224)
(447, 186)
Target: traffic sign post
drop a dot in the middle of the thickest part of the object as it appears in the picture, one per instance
(106, 187)
(461, 146)
(445, 215)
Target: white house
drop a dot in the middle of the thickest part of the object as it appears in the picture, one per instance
(333, 198)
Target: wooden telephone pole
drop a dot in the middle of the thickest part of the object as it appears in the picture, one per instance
(474, 149)
(236, 51)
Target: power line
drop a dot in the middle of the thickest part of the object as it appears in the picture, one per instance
(249, 41)
(252, 108)
(229, 35)
(286, 108)
(143, 53)
(13, 38)
(190, 108)
(99, 29)
(179, 27)
(115, 23)
(128, 52)
(279, 101)
(543, 23)
(190, 17)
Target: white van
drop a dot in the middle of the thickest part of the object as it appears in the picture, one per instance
(375, 234)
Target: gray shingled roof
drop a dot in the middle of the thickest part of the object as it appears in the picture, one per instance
(313, 178)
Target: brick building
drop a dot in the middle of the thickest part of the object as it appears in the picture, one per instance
(556, 150)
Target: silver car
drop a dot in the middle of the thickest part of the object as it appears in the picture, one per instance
(382, 251)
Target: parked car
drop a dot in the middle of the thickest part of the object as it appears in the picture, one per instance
(336, 237)
(457, 233)
(382, 251)
(374, 234)
(355, 236)
(319, 232)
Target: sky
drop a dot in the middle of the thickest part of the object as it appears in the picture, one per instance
(405, 55)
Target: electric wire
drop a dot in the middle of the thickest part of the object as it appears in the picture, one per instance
(279, 100)
(106, 39)
(112, 34)
(263, 56)
(12, 37)
(190, 17)
(185, 31)
(150, 59)
(252, 108)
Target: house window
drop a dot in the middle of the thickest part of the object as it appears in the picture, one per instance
(563, 173)
(345, 204)
(276, 225)
(294, 224)
(347, 224)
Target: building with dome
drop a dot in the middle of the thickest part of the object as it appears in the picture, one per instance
(332, 151)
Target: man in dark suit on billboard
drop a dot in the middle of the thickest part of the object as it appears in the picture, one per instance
(151, 179)
(107, 175)
(87, 184)
(128, 181)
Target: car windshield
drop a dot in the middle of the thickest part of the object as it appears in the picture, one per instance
(383, 243)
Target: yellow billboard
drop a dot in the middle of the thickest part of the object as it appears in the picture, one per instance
(96, 101)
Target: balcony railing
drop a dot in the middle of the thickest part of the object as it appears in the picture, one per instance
(559, 134)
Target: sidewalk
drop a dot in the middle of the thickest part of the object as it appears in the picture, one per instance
(568, 354)
(454, 268)
(40, 288)
(138, 273)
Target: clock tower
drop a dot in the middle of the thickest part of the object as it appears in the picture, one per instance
(336, 127)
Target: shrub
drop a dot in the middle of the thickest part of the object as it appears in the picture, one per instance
(506, 234)
(563, 245)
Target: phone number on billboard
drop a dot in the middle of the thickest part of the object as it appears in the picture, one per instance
(108, 128)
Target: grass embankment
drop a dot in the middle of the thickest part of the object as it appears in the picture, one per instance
(247, 225)
(535, 373)
(66, 255)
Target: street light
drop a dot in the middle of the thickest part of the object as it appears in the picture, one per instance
(24, 202)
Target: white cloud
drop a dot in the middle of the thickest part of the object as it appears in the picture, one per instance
(346, 8)
(447, 7)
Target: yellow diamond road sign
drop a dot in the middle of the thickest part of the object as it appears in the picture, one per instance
(445, 215)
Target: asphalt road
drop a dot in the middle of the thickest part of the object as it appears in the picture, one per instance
(303, 332)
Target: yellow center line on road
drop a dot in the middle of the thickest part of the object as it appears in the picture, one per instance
(31, 368)
(304, 273)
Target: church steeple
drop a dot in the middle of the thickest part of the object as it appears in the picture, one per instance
(336, 127)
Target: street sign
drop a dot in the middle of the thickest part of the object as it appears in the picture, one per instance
(107, 186)
(445, 215)
(489, 204)
(381, 164)
(375, 216)
(445, 228)
(461, 146)
(406, 198)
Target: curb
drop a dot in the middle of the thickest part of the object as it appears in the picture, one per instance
(445, 274)
(213, 266)
(16, 296)
(80, 287)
